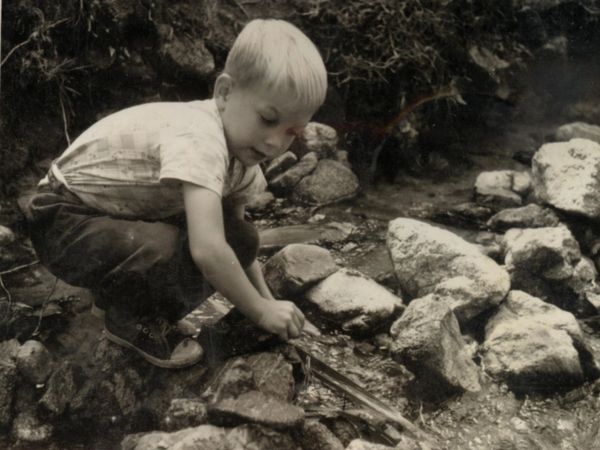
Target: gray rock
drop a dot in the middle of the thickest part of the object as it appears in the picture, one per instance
(330, 182)
(273, 375)
(316, 436)
(465, 297)
(471, 212)
(27, 429)
(356, 301)
(586, 110)
(285, 183)
(233, 379)
(255, 407)
(203, 437)
(547, 262)
(187, 56)
(555, 48)
(425, 256)
(551, 252)
(60, 390)
(578, 130)
(280, 164)
(6, 236)
(530, 356)
(566, 175)
(95, 402)
(342, 157)
(34, 362)
(530, 216)
(255, 437)
(319, 138)
(361, 444)
(185, 413)
(297, 267)
(502, 188)
(8, 351)
(8, 382)
(519, 304)
(428, 341)
(261, 201)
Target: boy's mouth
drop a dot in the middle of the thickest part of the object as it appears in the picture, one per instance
(257, 154)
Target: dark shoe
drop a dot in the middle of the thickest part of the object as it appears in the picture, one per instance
(184, 326)
(157, 341)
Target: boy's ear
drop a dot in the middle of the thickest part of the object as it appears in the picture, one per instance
(223, 87)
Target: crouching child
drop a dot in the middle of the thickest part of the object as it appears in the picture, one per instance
(146, 207)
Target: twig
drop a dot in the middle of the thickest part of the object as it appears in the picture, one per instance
(16, 269)
(5, 289)
(29, 39)
(64, 116)
(41, 315)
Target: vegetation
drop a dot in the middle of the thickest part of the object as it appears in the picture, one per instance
(65, 62)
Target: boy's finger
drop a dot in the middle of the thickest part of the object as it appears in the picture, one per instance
(310, 329)
(293, 331)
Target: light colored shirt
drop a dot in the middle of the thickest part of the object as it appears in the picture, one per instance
(131, 163)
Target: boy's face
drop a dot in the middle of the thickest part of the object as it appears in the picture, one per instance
(259, 124)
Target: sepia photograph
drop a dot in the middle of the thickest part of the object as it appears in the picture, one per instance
(300, 224)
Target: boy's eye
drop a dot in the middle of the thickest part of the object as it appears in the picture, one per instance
(268, 120)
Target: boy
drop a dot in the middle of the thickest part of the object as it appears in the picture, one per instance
(109, 214)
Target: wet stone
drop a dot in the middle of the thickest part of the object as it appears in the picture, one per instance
(315, 435)
(580, 130)
(201, 437)
(8, 381)
(234, 378)
(361, 444)
(34, 362)
(297, 267)
(530, 216)
(185, 413)
(60, 390)
(27, 428)
(256, 407)
(280, 164)
(6, 236)
(284, 183)
(273, 375)
(256, 437)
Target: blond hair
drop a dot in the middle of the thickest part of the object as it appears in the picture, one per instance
(277, 55)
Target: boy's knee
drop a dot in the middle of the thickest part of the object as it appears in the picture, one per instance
(243, 238)
(156, 244)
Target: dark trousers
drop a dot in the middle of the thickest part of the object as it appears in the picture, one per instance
(140, 267)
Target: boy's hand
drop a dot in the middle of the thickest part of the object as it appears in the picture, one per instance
(282, 318)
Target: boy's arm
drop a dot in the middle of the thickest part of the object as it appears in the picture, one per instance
(221, 268)
(254, 271)
(256, 277)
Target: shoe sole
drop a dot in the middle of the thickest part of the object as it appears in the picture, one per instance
(184, 326)
(163, 363)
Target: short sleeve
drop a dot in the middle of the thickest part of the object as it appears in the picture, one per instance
(197, 158)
